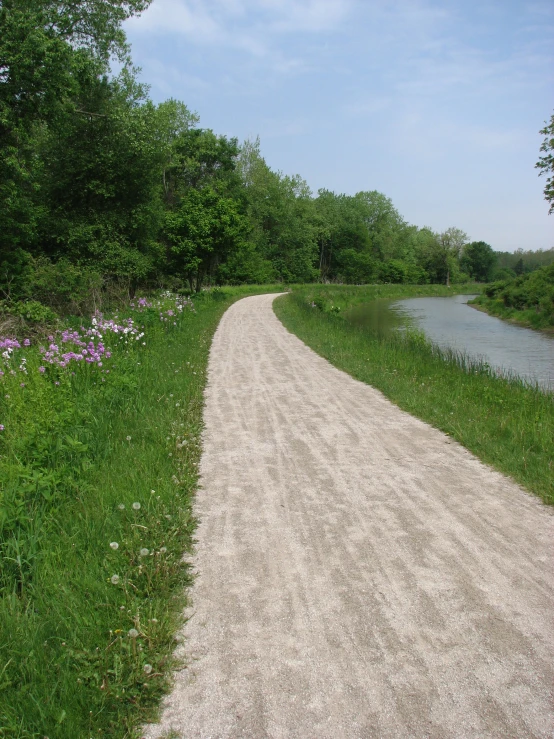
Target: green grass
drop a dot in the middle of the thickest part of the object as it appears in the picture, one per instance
(504, 422)
(74, 458)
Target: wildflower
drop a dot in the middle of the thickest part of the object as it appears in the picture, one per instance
(136, 506)
(1, 426)
(133, 633)
(144, 552)
(152, 492)
(42, 369)
(114, 545)
(21, 384)
(26, 342)
(147, 669)
(121, 506)
(114, 579)
(128, 438)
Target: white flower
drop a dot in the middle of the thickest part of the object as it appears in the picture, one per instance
(114, 545)
(136, 506)
(114, 579)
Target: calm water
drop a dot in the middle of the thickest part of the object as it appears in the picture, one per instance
(449, 322)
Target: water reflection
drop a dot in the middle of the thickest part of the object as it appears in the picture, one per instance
(450, 323)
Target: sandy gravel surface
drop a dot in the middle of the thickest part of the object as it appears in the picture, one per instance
(360, 574)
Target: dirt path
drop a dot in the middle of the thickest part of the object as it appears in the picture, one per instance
(360, 574)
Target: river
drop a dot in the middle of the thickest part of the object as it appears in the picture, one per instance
(451, 323)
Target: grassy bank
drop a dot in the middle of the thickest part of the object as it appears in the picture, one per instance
(98, 461)
(527, 300)
(504, 422)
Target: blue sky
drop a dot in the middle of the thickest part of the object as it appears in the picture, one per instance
(436, 104)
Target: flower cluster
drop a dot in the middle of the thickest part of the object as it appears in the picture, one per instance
(140, 304)
(7, 349)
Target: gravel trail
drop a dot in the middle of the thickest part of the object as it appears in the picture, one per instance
(359, 573)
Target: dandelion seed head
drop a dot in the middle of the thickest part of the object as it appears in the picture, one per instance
(128, 438)
(147, 669)
(136, 506)
(133, 633)
(163, 550)
(121, 506)
(114, 545)
(144, 552)
(114, 579)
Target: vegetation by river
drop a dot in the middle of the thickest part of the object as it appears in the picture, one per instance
(99, 445)
(528, 299)
(504, 422)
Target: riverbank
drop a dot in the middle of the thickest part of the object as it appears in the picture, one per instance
(504, 422)
(98, 465)
(527, 300)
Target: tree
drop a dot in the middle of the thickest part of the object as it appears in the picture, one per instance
(440, 253)
(546, 162)
(201, 232)
(46, 48)
(283, 218)
(478, 260)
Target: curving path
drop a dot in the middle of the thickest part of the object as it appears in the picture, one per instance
(360, 574)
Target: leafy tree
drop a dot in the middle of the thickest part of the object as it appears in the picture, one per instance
(205, 222)
(478, 260)
(44, 47)
(101, 178)
(284, 222)
(201, 232)
(442, 255)
(546, 162)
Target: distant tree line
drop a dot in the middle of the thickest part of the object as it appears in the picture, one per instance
(98, 185)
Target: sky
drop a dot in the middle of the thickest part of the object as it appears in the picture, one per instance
(438, 105)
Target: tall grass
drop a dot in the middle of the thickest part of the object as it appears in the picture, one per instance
(98, 469)
(505, 422)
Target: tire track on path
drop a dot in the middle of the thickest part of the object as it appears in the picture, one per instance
(359, 573)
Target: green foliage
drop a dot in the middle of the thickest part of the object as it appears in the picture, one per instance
(546, 162)
(520, 262)
(31, 310)
(478, 260)
(528, 299)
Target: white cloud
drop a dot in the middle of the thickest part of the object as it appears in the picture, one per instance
(251, 25)
(206, 20)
